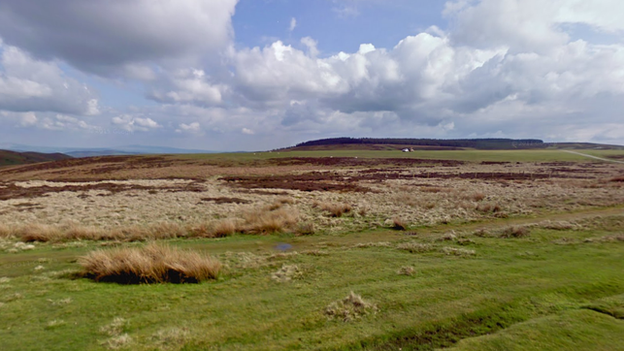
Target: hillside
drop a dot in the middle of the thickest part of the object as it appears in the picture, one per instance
(439, 144)
(8, 158)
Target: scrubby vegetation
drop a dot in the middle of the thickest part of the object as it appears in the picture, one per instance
(442, 251)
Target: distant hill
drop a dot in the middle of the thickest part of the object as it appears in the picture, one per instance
(440, 144)
(8, 158)
(112, 151)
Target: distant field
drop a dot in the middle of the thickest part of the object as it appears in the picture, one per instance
(349, 250)
(462, 155)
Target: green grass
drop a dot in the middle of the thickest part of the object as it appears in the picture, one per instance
(462, 155)
(507, 288)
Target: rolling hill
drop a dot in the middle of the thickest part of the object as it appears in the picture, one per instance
(8, 158)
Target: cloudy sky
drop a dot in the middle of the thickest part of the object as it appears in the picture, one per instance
(261, 74)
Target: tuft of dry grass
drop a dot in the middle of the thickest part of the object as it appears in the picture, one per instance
(612, 238)
(264, 222)
(336, 209)
(39, 232)
(488, 207)
(478, 196)
(154, 263)
(415, 247)
(515, 232)
(406, 270)
(287, 273)
(448, 237)
(167, 230)
(223, 228)
(373, 244)
(6, 231)
(351, 307)
(453, 251)
(171, 338)
(557, 225)
(306, 229)
(399, 223)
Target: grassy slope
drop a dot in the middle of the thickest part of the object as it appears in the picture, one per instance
(508, 281)
(16, 158)
(463, 155)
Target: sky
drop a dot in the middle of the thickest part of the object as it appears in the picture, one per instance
(230, 75)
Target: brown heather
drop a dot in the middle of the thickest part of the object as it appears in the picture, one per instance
(154, 263)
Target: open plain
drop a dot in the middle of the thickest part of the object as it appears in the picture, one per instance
(335, 249)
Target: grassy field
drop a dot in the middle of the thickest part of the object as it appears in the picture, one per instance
(461, 155)
(542, 280)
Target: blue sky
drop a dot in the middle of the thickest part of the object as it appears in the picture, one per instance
(256, 75)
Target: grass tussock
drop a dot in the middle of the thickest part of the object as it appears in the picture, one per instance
(224, 228)
(266, 222)
(6, 231)
(336, 209)
(453, 251)
(287, 273)
(557, 225)
(612, 238)
(154, 263)
(39, 232)
(406, 270)
(306, 229)
(515, 232)
(414, 247)
(399, 223)
(488, 207)
(351, 307)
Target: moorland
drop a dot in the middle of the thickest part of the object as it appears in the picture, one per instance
(315, 249)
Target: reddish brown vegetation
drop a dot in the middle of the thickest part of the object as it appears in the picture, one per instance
(13, 191)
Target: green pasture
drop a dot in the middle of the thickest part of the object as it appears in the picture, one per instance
(552, 289)
(461, 155)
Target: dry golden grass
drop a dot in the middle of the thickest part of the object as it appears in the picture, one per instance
(336, 209)
(154, 263)
(6, 231)
(224, 227)
(399, 223)
(263, 221)
(305, 229)
(39, 232)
